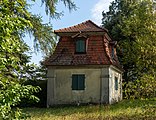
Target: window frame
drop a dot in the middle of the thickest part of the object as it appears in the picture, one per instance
(116, 83)
(112, 52)
(77, 40)
(78, 82)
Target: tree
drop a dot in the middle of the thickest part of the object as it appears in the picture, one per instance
(15, 21)
(143, 88)
(44, 38)
(132, 23)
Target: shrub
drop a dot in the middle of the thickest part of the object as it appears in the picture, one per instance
(143, 88)
(10, 96)
(42, 94)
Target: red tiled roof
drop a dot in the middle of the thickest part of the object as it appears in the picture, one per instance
(98, 53)
(99, 48)
(87, 26)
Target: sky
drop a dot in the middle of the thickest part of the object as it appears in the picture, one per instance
(87, 10)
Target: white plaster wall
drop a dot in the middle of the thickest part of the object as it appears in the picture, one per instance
(115, 95)
(63, 93)
(105, 85)
(99, 86)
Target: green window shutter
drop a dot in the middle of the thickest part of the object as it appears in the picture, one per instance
(112, 52)
(74, 82)
(116, 83)
(78, 82)
(77, 46)
(81, 82)
(80, 46)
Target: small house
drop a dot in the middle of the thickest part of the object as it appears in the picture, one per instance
(84, 67)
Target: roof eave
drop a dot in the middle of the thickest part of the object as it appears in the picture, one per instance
(87, 32)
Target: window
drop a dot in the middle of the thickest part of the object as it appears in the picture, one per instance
(78, 82)
(116, 83)
(113, 52)
(80, 46)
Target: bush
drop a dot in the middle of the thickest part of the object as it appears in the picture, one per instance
(42, 94)
(143, 88)
(11, 95)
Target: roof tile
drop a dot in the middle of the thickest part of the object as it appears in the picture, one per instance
(98, 49)
(83, 27)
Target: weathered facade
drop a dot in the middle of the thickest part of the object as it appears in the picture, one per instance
(84, 67)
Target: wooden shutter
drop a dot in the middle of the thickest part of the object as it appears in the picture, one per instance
(116, 83)
(81, 82)
(77, 46)
(112, 52)
(74, 82)
(78, 82)
(80, 46)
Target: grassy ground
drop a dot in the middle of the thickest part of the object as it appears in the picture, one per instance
(125, 110)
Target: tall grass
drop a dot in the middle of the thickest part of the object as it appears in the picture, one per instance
(124, 110)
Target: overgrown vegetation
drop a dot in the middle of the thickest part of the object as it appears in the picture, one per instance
(15, 22)
(13, 59)
(42, 95)
(125, 110)
(144, 88)
(133, 24)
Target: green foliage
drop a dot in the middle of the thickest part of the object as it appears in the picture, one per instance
(44, 38)
(10, 96)
(42, 94)
(143, 88)
(32, 72)
(132, 23)
(36, 76)
(124, 110)
(13, 58)
(15, 21)
(51, 5)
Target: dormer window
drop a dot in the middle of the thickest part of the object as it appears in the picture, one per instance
(113, 49)
(80, 46)
(113, 52)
